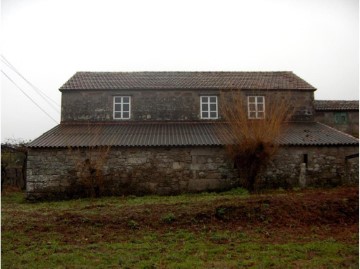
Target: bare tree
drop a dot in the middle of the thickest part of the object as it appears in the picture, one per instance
(254, 128)
(89, 162)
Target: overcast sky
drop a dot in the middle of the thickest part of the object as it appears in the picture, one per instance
(47, 41)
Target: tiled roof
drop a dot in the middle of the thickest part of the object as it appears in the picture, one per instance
(178, 134)
(336, 105)
(185, 80)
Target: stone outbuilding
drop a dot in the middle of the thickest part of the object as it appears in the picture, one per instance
(163, 133)
(342, 115)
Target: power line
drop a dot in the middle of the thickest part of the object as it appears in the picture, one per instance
(32, 100)
(6, 61)
(41, 93)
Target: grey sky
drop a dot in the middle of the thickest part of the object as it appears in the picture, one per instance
(48, 41)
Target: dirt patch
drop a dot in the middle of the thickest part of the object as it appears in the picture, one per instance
(319, 213)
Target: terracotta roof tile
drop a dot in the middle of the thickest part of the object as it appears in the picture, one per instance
(336, 105)
(185, 80)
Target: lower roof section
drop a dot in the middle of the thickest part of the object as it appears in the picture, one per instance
(336, 105)
(169, 134)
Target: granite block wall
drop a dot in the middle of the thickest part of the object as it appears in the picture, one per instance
(69, 173)
(66, 173)
(322, 166)
(165, 105)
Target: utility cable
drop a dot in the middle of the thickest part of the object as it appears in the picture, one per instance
(41, 93)
(32, 100)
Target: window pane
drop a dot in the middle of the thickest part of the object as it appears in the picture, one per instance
(340, 117)
(252, 107)
(126, 99)
(117, 107)
(252, 115)
(117, 115)
(251, 99)
(212, 114)
(260, 107)
(126, 107)
(205, 115)
(204, 107)
(260, 99)
(204, 99)
(117, 99)
(213, 99)
(212, 107)
(126, 115)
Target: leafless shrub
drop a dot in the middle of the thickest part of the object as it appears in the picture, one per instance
(255, 141)
(90, 169)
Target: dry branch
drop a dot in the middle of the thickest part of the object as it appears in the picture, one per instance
(255, 141)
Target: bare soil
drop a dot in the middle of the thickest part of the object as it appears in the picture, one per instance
(276, 217)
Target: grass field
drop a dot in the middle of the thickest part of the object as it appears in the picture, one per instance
(282, 229)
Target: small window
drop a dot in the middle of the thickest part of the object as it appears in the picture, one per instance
(256, 107)
(305, 159)
(122, 106)
(341, 118)
(208, 107)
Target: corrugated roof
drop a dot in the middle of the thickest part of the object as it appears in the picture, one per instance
(336, 105)
(178, 134)
(185, 80)
(315, 134)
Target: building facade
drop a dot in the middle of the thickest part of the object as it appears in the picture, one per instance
(342, 115)
(163, 133)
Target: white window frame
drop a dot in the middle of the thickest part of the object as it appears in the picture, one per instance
(205, 99)
(121, 111)
(257, 111)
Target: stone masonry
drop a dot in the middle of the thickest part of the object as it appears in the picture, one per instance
(67, 173)
(164, 105)
(62, 173)
(324, 166)
(170, 155)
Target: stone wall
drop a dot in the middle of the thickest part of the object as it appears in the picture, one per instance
(350, 125)
(164, 104)
(66, 173)
(69, 173)
(322, 166)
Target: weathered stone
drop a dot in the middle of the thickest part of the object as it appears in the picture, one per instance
(302, 177)
(177, 165)
(177, 170)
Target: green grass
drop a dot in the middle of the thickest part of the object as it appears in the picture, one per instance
(25, 245)
(179, 249)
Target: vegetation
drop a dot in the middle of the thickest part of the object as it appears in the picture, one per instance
(297, 229)
(255, 140)
(13, 163)
(89, 171)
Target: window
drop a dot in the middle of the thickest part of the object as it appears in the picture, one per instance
(340, 117)
(256, 107)
(122, 107)
(305, 159)
(208, 107)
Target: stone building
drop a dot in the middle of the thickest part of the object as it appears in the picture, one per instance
(342, 115)
(162, 132)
